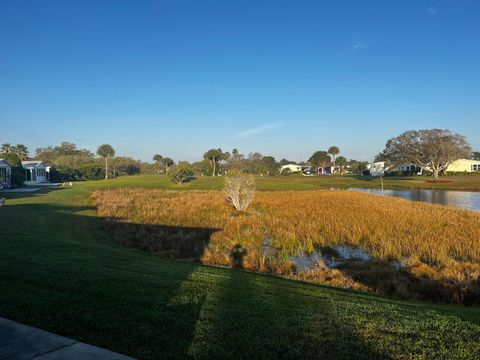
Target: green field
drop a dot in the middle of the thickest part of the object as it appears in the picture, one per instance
(297, 182)
(60, 272)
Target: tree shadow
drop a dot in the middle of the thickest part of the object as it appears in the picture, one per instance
(44, 190)
(258, 316)
(62, 273)
(179, 242)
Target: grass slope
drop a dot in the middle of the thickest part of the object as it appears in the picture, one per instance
(59, 272)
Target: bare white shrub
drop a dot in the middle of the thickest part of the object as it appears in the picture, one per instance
(239, 189)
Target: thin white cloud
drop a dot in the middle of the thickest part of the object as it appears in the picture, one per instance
(358, 45)
(262, 129)
(445, 5)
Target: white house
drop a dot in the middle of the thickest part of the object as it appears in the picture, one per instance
(5, 172)
(35, 172)
(411, 168)
(464, 165)
(327, 169)
(294, 168)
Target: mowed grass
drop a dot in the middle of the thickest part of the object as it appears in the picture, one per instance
(293, 182)
(439, 246)
(60, 272)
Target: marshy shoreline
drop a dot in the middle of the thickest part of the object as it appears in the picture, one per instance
(415, 250)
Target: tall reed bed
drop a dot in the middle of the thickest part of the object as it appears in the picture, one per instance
(437, 244)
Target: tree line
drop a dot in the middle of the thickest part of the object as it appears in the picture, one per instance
(433, 149)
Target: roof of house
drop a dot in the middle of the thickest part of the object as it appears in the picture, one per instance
(32, 163)
(468, 160)
(4, 162)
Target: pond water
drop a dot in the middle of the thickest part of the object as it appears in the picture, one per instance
(469, 200)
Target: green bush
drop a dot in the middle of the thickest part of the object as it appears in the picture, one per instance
(180, 174)
(89, 171)
(18, 176)
(286, 172)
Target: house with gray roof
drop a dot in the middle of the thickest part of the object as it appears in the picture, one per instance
(35, 172)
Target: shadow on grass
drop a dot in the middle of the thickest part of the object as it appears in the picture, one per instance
(174, 241)
(44, 190)
(382, 277)
(58, 276)
(256, 317)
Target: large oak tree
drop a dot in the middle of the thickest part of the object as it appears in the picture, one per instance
(432, 149)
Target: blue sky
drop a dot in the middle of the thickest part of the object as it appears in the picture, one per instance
(285, 78)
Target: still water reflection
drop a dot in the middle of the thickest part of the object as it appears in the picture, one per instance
(469, 200)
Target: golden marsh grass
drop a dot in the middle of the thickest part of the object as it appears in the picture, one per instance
(438, 246)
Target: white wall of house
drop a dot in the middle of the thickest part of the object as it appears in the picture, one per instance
(35, 172)
(412, 168)
(291, 167)
(326, 170)
(464, 165)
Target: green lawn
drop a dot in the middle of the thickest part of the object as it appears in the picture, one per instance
(295, 182)
(60, 272)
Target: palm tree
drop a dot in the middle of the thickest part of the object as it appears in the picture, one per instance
(21, 151)
(213, 155)
(334, 151)
(6, 148)
(167, 162)
(106, 151)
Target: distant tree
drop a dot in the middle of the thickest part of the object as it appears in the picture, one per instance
(106, 151)
(341, 163)
(21, 151)
(380, 157)
(319, 158)
(433, 149)
(122, 165)
(213, 156)
(65, 153)
(167, 162)
(334, 151)
(357, 167)
(235, 152)
(255, 156)
(202, 167)
(184, 163)
(158, 159)
(286, 162)
(476, 155)
(6, 148)
(269, 165)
